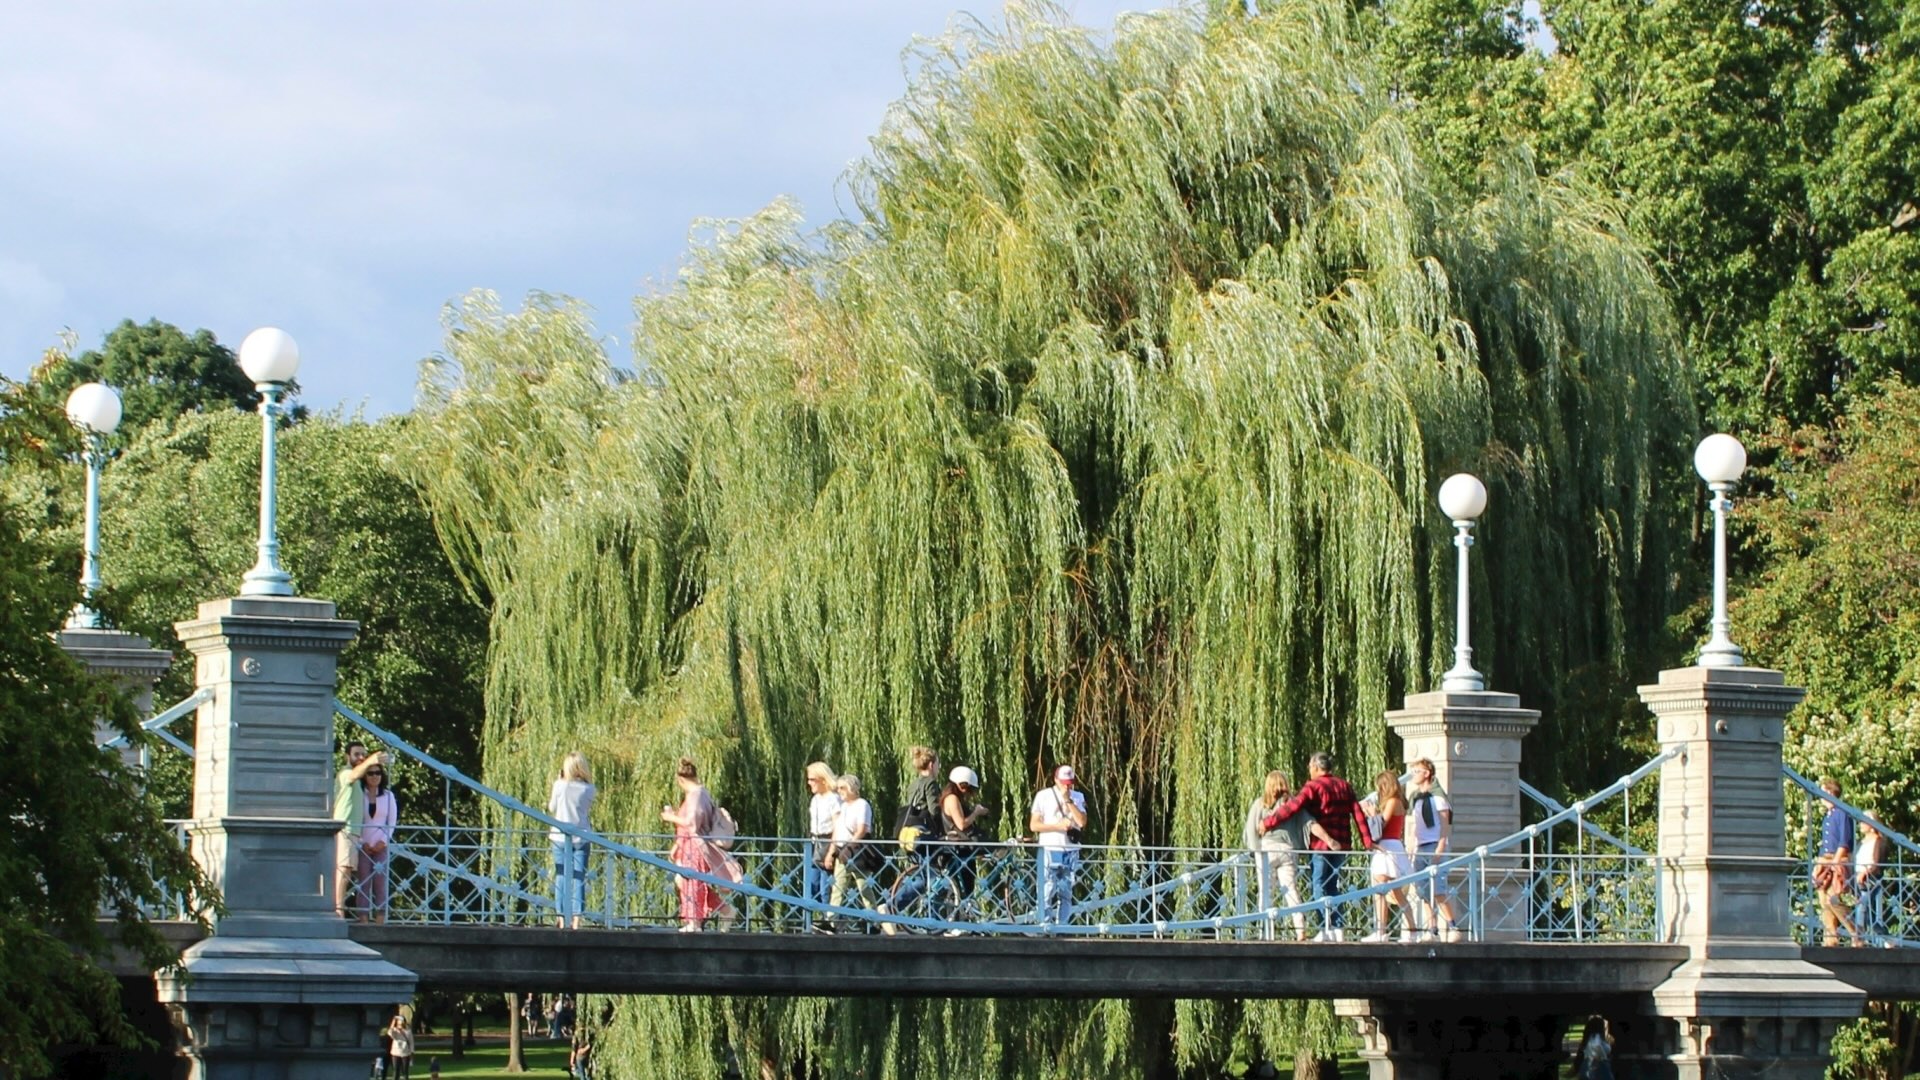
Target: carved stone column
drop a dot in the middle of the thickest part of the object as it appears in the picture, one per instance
(1745, 1004)
(1473, 739)
(278, 991)
(130, 660)
(1494, 1040)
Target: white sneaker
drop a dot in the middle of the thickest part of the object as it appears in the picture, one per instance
(1376, 936)
(1454, 933)
(1324, 935)
(1339, 935)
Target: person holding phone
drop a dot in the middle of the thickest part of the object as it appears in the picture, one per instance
(1056, 818)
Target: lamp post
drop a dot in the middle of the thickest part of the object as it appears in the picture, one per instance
(1463, 498)
(94, 408)
(1720, 459)
(269, 357)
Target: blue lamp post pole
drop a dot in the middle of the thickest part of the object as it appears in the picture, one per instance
(270, 358)
(94, 408)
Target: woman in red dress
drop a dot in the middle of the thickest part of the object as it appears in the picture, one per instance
(699, 901)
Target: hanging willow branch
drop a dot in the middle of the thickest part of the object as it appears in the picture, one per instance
(1108, 434)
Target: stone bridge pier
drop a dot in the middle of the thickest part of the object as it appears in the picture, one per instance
(278, 992)
(1743, 1005)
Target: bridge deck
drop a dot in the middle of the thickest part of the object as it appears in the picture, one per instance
(478, 958)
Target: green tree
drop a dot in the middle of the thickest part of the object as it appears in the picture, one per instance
(159, 370)
(180, 509)
(1837, 607)
(82, 839)
(1109, 433)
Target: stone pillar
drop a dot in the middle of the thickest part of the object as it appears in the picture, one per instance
(1744, 1004)
(1473, 739)
(130, 660)
(278, 992)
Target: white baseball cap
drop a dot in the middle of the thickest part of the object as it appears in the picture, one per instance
(963, 775)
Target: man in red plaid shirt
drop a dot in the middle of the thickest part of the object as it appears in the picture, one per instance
(1333, 804)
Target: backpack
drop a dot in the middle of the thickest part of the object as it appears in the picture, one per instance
(722, 830)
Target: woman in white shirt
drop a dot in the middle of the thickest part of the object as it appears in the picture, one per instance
(570, 803)
(822, 808)
(851, 828)
(376, 830)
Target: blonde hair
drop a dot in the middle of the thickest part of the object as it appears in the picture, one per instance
(1276, 783)
(923, 757)
(822, 772)
(850, 782)
(574, 767)
(1388, 785)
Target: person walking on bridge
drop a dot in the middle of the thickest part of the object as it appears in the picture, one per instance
(1833, 870)
(569, 804)
(691, 822)
(1275, 850)
(822, 808)
(1332, 803)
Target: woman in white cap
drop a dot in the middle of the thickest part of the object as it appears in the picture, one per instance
(954, 854)
(1058, 814)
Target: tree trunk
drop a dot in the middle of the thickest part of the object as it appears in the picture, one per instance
(455, 1049)
(1308, 1067)
(516, 1061)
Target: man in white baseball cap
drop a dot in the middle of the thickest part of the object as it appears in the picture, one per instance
(1059, 813)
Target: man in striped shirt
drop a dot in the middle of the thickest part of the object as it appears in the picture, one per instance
(1333, 804)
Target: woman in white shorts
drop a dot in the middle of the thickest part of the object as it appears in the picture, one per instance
(1390, 861)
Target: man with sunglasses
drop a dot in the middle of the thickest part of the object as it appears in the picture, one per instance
(351, 811)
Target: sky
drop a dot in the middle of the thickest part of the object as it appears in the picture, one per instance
(344, 170)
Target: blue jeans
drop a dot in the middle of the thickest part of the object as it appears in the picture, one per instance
(1057, 869)
(815, 884)
(1867, 914)
(1326, 881)
(569, 876)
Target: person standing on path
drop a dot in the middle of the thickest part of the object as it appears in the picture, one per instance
(376, 834)
(401, 1050)
(1332, 803)
(1056, 818)
(1431, 813)
(569, 804)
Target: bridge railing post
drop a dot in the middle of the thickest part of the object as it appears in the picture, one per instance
(278, 990)
(1744, 1003)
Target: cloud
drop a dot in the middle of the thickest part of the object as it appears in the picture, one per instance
(345, 169)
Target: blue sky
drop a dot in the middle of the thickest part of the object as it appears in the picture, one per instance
(343, 170)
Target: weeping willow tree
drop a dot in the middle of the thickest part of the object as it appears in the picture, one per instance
(1107, 433)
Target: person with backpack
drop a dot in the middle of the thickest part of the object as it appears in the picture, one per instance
(919, 820)
(1056, 819)
(692, 820)
(952, 855)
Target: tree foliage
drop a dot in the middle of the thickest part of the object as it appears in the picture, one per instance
(160, 371)
(82, 838)
(1107, 434)
(180, 514)
(1838, 605)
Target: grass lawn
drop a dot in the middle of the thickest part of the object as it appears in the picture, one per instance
(489, 1059)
